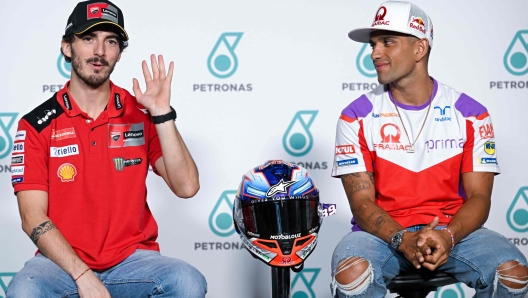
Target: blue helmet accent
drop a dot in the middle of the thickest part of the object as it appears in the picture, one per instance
(274, 180)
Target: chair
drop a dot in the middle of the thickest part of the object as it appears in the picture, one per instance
(418, 283)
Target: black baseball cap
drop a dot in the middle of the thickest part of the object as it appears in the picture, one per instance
(88, 14)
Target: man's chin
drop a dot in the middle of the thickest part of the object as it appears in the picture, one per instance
(384, 80)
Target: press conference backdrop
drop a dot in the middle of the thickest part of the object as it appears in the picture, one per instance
(260, 80)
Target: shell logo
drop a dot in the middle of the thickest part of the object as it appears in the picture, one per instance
(67, 172)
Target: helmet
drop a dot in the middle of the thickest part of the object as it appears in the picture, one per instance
(276, 213)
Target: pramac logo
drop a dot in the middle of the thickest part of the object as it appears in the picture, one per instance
(379, 19)
(390, 135)
(390, 138)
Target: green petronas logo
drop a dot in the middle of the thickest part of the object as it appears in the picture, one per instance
(451, 291)
(302, 283)
(221, 218)
(297, 139)
(516, 56)
(6, 142)
(364, 62)
(5, 278)
(517, 215)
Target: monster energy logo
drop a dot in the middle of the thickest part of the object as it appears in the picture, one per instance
(120, 163)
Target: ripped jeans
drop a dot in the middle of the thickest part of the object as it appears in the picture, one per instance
(473, 261)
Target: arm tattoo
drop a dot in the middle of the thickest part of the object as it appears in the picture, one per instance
(371, 176)
(41, 230)
(354, 185)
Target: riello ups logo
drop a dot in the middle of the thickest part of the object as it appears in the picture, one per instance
(5, 278)
(222, 64)
(451, 291)
(221, 225)
(303, 283)
(515, 61)
(366, 68)
(298, 141)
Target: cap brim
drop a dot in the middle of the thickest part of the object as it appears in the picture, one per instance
(363, 34)
(99, 22)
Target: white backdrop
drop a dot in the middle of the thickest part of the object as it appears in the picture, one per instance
(293, 61)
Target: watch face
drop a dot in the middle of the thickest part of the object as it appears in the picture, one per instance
(396, 240)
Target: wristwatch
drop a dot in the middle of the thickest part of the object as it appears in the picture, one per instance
(397, 238)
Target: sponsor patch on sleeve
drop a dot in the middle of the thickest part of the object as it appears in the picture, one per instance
(487, 160)
(20, 135)
(17, 170)
(16, 180)
(347, 162)
(17, 159)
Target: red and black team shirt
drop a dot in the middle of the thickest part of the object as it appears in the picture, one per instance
(94, 172)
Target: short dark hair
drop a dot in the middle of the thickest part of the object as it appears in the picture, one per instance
(70, 38)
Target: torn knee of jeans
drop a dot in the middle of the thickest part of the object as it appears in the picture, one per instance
(512, 274)
(353, 276)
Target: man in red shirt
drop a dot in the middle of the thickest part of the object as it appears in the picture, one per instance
(80, 162)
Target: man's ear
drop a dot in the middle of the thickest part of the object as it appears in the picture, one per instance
(421, 47)
(66, 49)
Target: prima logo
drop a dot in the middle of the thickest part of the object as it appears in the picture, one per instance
(64, 67)
(364, 63)
(5, 278)
(297, 139)
(517, 215)
(221, 218)
(222, 61)
(6, 141)
(302, 283)
(451, 291)
(516, 56)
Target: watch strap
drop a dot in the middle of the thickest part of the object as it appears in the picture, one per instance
(164, 118)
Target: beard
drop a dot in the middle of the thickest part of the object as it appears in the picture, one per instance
(79, 67)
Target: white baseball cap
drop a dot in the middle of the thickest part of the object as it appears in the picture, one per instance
(397, 16)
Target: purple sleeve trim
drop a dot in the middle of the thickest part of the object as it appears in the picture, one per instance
(360, 107)
(417, 108)
(469, 107)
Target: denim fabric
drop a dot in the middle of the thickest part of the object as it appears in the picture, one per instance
(143, 274)
(473, 261)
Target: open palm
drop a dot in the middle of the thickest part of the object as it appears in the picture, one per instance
(157, 96)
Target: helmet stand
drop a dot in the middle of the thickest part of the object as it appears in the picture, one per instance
(280, 282)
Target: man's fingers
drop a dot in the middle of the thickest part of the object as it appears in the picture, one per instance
(433, 224)
(161, 64)
(171, 71)
(155, 68)
(136, 89)
(146, 72)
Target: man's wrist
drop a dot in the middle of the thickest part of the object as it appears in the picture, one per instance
(158, 119)
(397, 239)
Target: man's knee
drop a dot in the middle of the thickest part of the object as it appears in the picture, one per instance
(353, 275)
(513, 274)
(185, 280)
(24, 286)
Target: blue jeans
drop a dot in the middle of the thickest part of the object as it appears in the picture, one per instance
(145, 273)
(473, 261)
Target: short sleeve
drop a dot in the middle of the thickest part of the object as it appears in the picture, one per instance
(351, 153)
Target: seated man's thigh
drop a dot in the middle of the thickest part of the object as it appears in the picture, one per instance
(41, 277)
(475, 259)
(150, 273)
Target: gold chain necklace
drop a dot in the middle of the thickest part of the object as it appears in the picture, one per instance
(411, 146)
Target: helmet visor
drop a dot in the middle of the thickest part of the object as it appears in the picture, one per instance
(277, 219)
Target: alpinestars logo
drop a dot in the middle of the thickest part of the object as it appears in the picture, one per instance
(279, 188)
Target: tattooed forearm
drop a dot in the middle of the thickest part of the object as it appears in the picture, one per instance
(41, 230)
(371, 176)
(352, 184)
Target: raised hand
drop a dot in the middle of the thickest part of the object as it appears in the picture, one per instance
(157, 96)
